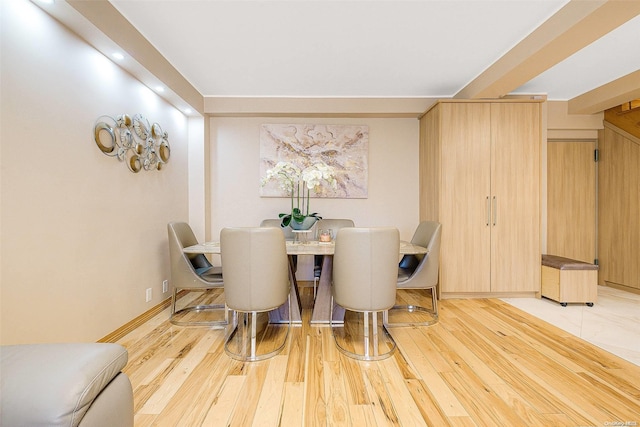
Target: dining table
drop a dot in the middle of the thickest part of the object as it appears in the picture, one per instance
(322, 305)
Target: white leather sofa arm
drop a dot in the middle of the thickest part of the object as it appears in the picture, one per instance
(65, 385)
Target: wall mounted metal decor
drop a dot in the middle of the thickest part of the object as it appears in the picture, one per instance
(133, 141)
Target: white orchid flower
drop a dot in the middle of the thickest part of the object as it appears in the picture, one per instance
(293, 180)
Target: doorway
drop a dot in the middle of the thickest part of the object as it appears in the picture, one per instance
(572, 199)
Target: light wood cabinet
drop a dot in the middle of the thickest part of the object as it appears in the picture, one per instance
(480, 177)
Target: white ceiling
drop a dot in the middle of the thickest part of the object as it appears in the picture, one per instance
(364, 48)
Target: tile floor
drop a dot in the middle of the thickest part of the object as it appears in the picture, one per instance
(613, 323)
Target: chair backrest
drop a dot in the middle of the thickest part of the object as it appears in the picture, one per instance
(255, 268)
(288, 232)
(425, 274)
(365, 268)
(333, 224)
(185, 267)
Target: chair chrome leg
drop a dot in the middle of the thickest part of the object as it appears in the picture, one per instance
(331, 313)
(315, 287)
(249, 338)
(214, 324)
(434, 302)
(290, 318)
(173, 302)
(374, 316)
(416, 308)
(232, 326)
(245, 325)
(367, 336)
(413, 309)
(254, 328)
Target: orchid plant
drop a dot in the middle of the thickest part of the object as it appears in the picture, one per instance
(298, 183)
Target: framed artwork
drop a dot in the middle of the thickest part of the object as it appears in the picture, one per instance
(343, 147)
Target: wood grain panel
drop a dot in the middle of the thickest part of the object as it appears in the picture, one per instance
(628, 120)
(515, 187)
(465, 189)
(429, 153)
(579, 286)
(571, 200)
(550, 286)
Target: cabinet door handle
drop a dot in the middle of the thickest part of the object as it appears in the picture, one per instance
(488, 205)
(495, 210)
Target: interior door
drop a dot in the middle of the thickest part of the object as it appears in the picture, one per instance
(571, 199)
(515, 197)
(618, 207)
(465, 133)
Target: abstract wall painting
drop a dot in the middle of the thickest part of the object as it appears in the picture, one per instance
(343, 147)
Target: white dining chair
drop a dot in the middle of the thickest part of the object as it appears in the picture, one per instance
(419, 272)
(192, 272)
(256, 281)
(365, 267)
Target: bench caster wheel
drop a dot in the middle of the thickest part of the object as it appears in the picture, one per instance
(564, 304)
(589, 304)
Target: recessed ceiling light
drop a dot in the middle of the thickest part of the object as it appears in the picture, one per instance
(118, 56)
(47, 1)
(159, 88)
(188, 110)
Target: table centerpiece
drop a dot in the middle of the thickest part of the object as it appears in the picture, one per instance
(298, 183)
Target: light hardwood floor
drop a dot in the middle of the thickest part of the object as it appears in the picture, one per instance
(485, 363)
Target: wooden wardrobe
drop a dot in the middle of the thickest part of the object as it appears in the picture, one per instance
(480, 178)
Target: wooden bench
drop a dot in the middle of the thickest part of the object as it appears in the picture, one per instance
(566, 280)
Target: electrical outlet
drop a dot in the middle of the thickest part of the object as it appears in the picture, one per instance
(149, 293)
(165, 286)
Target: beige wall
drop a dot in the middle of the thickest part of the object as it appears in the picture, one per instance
(197, 167)
(81, 236)
(393, 175)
